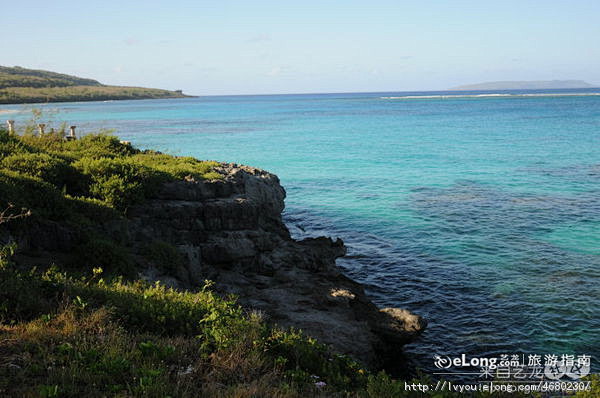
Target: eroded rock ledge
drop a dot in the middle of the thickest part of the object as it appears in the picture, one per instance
(231, 231)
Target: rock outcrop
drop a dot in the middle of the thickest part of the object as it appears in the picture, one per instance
(231, 231)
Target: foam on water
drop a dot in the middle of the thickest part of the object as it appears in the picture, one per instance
(480, 213)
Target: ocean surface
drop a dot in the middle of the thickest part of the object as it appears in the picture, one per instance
(479, 211)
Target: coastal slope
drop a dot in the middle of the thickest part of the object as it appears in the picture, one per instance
(20, 85)
(97, 202)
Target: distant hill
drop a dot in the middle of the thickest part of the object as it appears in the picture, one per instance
(524, 85)
(20, 85)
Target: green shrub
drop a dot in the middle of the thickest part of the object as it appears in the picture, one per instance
(212, 175)
(99, 146)
(42, 198)
(45, 143)
(103, 253)
(24, 296)
(96, 166)
(48, 168)
(10, 144)
(178, 168)
(90, 211)
(164, 255)
(120, 182)
(314, 359)
(91, 145)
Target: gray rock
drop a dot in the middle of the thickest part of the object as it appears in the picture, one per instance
(233, 233)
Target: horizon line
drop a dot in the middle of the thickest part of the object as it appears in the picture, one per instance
(392, 91)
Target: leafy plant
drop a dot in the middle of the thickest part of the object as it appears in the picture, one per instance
(104, 253)
(164, 255)
(46, 167)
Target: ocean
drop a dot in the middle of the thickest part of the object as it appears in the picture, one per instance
(479, 211)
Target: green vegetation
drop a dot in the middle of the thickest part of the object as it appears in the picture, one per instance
(91, 330)
(56, 178)
(91, 337)
(21, 77)
(20, 85)
(62, 336)
(165, 256)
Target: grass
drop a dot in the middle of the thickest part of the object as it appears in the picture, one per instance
(62, 336)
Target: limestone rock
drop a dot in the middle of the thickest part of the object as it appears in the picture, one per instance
(231, 231)
(235, 231)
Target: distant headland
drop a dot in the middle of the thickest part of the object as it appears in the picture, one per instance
(20, 85)
(524, 85)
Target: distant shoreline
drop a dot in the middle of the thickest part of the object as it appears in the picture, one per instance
(525, 85)
(30, 86)
(79, 101)
(100, 99)
(493, 95)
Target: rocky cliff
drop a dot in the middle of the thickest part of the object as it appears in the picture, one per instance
(231, 231)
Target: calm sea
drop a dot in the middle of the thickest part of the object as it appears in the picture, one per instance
(482, 213)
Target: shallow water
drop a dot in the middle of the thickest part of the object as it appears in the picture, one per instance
(481, 213)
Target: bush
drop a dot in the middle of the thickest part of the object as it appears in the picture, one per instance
(42, 198)
(120, 182)
(99, 146)
(178, 168)
(10, 144)
(51, 169)
(106, 254)
(89, 211)
(96, 166)
(164, 255)
(51, 141)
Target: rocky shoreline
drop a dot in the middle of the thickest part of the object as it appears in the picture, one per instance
(231, 231)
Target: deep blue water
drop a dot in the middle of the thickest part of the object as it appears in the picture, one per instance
(480, 213)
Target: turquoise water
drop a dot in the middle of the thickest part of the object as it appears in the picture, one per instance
(480, 213)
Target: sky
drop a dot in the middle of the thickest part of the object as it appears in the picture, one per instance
(263, 47)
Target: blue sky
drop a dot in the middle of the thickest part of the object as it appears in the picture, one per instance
(238, 47)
